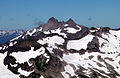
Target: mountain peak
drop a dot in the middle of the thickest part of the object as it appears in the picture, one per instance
(52, 19)
(71, 22)
(51, 24)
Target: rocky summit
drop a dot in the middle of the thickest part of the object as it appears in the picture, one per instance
(61, 49)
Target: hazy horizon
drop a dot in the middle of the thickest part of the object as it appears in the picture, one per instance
(26, 14)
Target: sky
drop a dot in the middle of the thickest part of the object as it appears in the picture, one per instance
(27, 14)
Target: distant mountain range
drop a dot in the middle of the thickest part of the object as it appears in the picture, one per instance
(6, 35)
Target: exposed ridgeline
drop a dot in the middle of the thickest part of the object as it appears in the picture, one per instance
(62, 50)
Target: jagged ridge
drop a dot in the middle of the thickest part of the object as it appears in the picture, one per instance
(63, 50)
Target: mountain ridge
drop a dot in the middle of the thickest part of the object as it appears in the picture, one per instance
(65, 50)
(6, 35)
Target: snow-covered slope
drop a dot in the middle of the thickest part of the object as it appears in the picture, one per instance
(62, 50)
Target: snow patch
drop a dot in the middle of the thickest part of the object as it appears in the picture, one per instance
(69, 70)
(25, 73)
(11, 44)
(72, 30)
(59, 32)
(13, 65)
(52, 41)
(112, 45)
(4, 72)
(79, 44)
(65, 74)
(66, 25)
(22, 57)
(0, 48)
(115, 32)
(41, 76)
(84, 61)
(31, 33)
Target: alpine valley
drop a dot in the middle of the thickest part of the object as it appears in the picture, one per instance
(61, 49)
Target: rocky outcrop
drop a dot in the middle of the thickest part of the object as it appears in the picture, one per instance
(93, 46)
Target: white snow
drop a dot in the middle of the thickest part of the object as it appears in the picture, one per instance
(16, 38)
(65, 74)
(0, 48)
(2, 32)
(50, 49)
(82, 60)
(41, 76)
(59, 32)
(48, 57)
(13, 65)
(22, 57)
(112, 45)
(4, 72)
(31, 32)
(66, 25)
(115, 32)
(41, 42)
(112, 39)
(78, 26)
(79, 44)
(118, 76)
(72, 30)
(93, 30)
(25, 73)
(47, 32)
(11, 44)
(15, 42)
(40, 29)
(52, 41)
(69, 70)
(75, 58)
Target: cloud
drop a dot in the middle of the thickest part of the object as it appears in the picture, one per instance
(11, 19)
(89, 19)
(38, 22)
(28, 15)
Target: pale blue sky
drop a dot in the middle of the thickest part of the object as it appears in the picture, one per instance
(23, 14)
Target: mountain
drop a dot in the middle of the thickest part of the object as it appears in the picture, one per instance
(61, 49)
(6, 35)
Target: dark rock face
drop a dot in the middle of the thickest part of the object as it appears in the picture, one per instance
(51, 24)
(93, 46)
(62, 50)
(79, 34)
(71, 22)
(100, 31)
